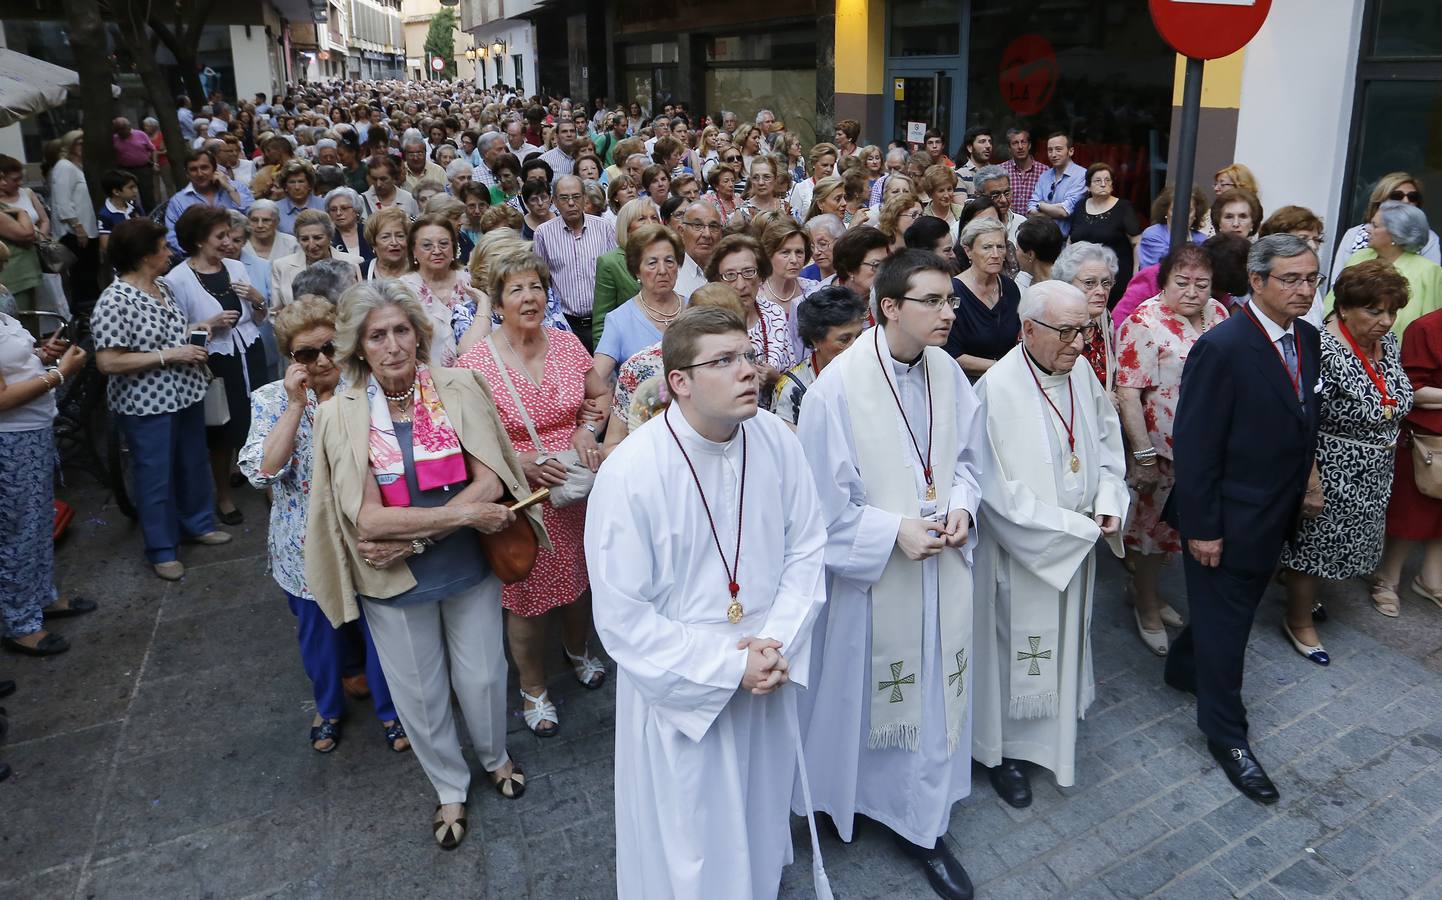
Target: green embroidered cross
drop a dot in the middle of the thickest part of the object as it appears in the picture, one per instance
(1036, 654)
(896, 682)
(958, 677)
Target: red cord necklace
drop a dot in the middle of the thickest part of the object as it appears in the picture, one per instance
(1389, 402)
(1295, 379)
(734, 612)
(1066, 423)
(925, 460)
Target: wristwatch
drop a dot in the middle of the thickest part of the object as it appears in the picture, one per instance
(419, 545)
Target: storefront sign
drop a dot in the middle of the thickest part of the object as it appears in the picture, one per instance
(1028, 74)
(915, 132)
(898, 88)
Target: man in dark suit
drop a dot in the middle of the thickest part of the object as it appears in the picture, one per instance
(1245, 438)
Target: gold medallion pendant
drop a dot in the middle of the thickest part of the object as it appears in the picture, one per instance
(931, 492)
(734, 612)
(1387, 413)
(1075, 463)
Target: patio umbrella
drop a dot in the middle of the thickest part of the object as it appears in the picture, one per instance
(30, 86)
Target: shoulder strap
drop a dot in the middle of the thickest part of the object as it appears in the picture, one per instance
(520, 406)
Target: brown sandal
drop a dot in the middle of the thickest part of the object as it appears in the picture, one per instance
(1425, 592)
(1385, 599)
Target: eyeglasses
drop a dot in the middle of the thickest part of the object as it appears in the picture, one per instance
(731, 159)
(569, 198)
(1414, 197)
(762, 179)
(747, 274)
(872, 264)
(723, 363)
(307, 355)
(934, 304)
(1090, 284)
(427, 246)
(1068, 333)
(997, 195)
(711, 227)
(1316, 279)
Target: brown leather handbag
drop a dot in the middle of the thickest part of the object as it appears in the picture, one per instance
(511, 552)
(1427, 463)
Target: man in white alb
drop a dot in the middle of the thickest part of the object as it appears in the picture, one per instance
(1053, 481)
(705, 546)
(892, 431)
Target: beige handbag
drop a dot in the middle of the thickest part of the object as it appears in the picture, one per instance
(217, 408)
(1427, 463)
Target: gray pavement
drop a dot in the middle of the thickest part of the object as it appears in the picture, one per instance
(165, 756)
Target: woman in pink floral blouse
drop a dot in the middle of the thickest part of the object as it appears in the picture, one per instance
(1152, 348)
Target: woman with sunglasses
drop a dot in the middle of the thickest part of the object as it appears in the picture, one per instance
(1401, 187)
(277, 456)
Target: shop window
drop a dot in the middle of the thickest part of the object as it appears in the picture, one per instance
(1400, 127)
(1097, 70)
(520, 79)
(1408, 29)
(925, 27)
(789, 93)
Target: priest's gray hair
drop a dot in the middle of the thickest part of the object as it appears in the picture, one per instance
(1039, 299)
(1069, 263)
(1406, 223)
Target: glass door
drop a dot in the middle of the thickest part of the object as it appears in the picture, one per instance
(921, 101)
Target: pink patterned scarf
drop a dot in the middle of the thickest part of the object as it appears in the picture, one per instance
(436, 449)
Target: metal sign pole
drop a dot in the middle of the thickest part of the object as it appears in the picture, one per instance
(1186, 162)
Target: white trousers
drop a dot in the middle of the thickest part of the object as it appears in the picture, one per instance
(428, 651)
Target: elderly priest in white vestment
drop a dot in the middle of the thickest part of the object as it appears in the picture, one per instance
(705, 545)
(1053, 481)
(891, 429)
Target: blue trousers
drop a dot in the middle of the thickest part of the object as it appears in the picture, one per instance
(172, 477)
(323, 653)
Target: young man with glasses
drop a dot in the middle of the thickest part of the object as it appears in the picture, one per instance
(893, 433)
(708, 624)
(1053, 481)
(570, 244)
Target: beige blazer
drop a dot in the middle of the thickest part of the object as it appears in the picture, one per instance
(283, 270)
(334, 570)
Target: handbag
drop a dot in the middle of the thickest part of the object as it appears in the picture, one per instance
(511, 552)
(55, 257)
(217, 408)
(579, 477)
(1427, 463)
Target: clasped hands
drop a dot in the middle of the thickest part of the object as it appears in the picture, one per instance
(924, 538)
(765, 666)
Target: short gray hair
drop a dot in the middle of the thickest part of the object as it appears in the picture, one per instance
(239, 220)
(459, 166)
(1037, 299)
(1069, 263)
(356, 305)
(487, 140)
(345, 193)
(989, 173)
(325, 144)
(1406, 223)
(1273, 246)
(264, 205)
(976, 228)
(902, 153)
(763, 112)
(328, 278)
(828, 222)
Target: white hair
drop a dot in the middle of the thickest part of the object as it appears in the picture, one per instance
(1407, 224)
(1076, 255)
(264, 205)
(828, 222)
(1039, 299)
(977, 227)
(458, 166)
(345, 193)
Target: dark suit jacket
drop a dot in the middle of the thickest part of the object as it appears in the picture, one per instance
(1243, 445)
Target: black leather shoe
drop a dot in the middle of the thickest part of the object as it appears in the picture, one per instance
(1011, 783)
(944, 872)
(1179, 684)
(5, 771)
(7, 687)
(1244, 772)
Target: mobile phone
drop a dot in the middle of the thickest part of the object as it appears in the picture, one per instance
(198, 338)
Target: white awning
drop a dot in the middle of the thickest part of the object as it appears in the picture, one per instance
(30, 86)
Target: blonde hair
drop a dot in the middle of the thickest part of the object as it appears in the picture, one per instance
(891, 212)
(1241, 176)
(718, 294)
(629, 212)
(391, 215)
(494, 244)
(67, 141)
(444, 205)
(302, 314)
(823, 191)
(1385, 186)
(355, 307)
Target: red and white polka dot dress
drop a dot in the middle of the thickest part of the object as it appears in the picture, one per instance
(560, 573)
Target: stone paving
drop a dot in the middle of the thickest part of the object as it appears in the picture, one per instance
(165, 756)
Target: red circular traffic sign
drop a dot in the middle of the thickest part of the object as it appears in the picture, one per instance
(1029, 74)
(437, 63)
(1208, 29)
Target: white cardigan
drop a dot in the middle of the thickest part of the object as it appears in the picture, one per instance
(200, 306)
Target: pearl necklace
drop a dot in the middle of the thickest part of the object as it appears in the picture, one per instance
(659, 317)
(401, 398)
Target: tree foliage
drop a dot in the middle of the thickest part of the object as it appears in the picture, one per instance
(441, 41)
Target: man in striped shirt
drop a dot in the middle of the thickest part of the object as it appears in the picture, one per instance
(562, 157)
(570, 244)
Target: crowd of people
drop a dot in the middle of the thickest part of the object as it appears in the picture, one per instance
(402, 309)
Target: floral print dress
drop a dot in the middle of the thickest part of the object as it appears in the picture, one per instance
(1152, 348)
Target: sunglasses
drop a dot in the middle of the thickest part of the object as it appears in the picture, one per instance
(1414, 197)
(307, 355)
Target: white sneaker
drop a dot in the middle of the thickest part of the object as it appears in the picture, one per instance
(170, 571)
(213, 538)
